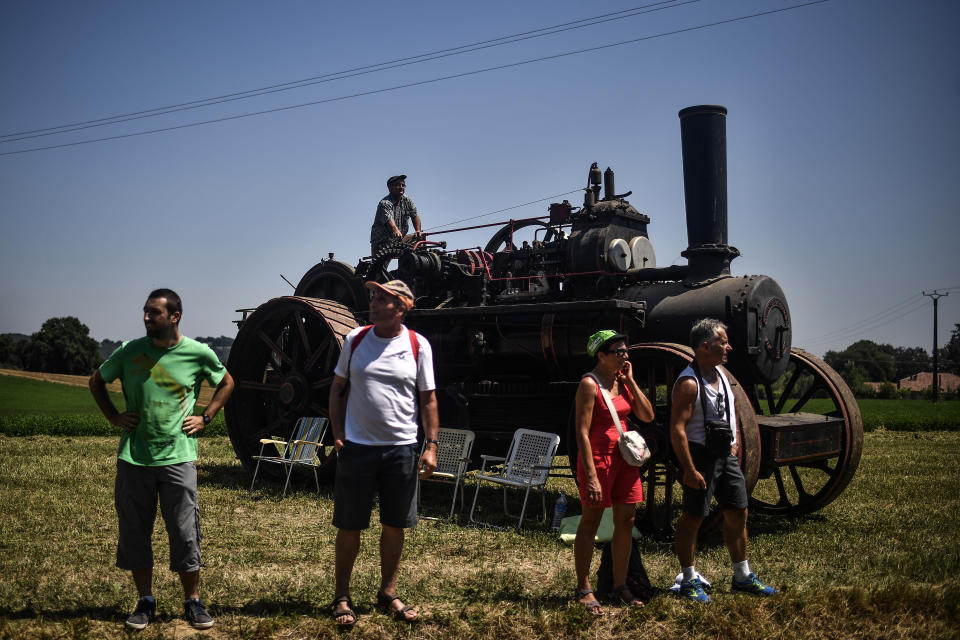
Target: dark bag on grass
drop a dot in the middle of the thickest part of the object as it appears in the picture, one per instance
(637, 580)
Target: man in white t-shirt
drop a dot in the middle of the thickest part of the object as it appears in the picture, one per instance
(701, 395)
(384, 374)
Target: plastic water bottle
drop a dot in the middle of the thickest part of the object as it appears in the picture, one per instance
(559, 511)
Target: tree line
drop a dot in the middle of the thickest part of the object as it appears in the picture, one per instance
(64, 345)
(867, 361)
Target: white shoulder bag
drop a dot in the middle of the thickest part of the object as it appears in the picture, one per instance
(632, 446)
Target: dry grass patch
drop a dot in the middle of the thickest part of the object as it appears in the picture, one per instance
(880, 562)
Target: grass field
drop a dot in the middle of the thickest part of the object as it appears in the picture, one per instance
(900, 415)
(30, 407)
(23, 396)
(881, 561)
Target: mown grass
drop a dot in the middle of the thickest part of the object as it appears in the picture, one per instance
(881, 561)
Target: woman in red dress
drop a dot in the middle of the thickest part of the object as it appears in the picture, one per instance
(605, 479)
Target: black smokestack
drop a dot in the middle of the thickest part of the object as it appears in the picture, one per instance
(703, 132)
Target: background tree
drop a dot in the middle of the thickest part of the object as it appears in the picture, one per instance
(876, 362)
(9, 354)
(107, 347)
(950, 353)
(63, 345)
(911, 360)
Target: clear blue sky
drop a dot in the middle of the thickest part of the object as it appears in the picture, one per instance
(843, 140)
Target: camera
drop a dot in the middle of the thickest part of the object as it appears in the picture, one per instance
(719, 436)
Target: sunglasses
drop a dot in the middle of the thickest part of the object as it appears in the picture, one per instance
(622, 352)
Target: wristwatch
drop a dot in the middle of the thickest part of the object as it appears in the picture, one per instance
(434, 441)
(206, 418)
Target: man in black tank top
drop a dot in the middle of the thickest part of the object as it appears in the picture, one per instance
(705, 474)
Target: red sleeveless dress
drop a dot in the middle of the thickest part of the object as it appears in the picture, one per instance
(620, 483)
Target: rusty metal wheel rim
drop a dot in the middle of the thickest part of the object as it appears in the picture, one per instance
(282, 361)
(793, 496)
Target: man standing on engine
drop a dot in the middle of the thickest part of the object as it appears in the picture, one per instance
(394, 212)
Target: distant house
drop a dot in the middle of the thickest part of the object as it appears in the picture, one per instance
(924, 380)
(920, 381)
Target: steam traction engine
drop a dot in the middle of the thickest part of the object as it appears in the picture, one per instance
(508, 323)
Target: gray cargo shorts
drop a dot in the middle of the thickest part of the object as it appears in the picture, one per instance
(136, 493)
(724, 480)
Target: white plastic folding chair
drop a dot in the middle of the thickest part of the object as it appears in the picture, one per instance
(300, 450)
(526, 466)
(453, 458)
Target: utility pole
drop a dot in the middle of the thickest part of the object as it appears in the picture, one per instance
(935, 295)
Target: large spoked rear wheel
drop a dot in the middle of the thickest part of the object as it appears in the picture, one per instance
(794, 413)
(282, 362)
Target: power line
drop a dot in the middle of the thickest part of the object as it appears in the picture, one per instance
(348, 73)
(905, 307)
(868, 327)
(490, 213)
(860, 324)
(421, 82)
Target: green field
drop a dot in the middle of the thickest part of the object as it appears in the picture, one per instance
(23, 396)
(900, 415)
(880, 562)
(29, 407)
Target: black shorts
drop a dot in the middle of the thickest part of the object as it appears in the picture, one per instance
(724, 480)
(362, 471)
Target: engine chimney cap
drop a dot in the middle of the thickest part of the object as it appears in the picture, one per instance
(702, 108)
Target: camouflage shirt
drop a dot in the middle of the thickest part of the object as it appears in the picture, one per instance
(400, 212)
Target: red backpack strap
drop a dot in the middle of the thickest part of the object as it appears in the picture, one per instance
(414, 344)
(359, 337)
(353, 347)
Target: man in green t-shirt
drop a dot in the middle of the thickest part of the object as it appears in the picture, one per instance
(161, 376)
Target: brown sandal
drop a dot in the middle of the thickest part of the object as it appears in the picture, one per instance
(593, 607)
(632, 601)
(384, 601)
(344, 612)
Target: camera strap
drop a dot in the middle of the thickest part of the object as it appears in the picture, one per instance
(722, 392)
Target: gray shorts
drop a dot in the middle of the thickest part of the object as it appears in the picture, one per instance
(136, 493)
(724, 480)
(362, 471)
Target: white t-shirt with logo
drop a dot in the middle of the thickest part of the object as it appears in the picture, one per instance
(385, 381)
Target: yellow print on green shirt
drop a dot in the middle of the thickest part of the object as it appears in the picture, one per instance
(144, 364)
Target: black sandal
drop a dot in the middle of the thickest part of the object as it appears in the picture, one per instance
(344, 612)
(633, 601)
(593, 608)
(384, 601)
